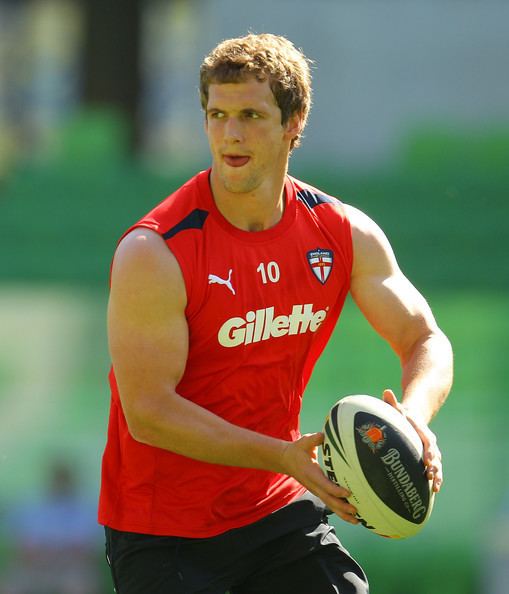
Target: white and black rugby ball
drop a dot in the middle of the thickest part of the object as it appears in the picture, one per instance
(373, 451)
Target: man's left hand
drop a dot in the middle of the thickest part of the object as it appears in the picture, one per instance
(431, 455)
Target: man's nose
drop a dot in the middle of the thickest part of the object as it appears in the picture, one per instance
(233, 130)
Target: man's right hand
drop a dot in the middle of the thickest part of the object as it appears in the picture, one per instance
(300, 460)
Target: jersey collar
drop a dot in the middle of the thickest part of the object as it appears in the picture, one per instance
(250, 236)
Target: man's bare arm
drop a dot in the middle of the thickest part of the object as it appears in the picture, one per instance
(400, 314)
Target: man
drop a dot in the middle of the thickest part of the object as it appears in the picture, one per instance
(222, 298)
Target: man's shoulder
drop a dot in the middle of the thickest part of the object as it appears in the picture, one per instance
(143, 259)
(181, 201)
(312, 196)
(185, 208)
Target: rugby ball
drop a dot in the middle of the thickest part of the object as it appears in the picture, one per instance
(371, 449)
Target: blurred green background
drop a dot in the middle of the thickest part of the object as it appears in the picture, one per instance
(441, 195)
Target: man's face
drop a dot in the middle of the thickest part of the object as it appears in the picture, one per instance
(249, 145)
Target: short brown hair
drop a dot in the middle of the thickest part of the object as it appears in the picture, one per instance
(265, 57)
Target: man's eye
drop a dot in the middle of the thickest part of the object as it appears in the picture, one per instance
(216, 115)
(253, 115)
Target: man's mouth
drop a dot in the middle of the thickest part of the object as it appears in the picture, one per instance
(235, 160)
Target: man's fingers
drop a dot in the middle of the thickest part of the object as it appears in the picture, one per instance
(312, 440)
(327, 488)
(301, 463)
(431, 455)
(435, 474)
(389, 397)
(341, 508)
(335, 497)
(434, 469)
(348, 518)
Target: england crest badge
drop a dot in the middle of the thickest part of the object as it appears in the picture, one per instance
(321, 261)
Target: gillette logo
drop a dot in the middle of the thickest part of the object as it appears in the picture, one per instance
(261, 325)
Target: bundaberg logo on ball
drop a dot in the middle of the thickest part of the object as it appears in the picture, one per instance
(403, 484)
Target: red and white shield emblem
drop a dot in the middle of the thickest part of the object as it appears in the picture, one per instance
(320, 261)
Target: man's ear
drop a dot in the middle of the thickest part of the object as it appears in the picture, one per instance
(293, 126)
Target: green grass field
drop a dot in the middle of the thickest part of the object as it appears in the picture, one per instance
(55, 401)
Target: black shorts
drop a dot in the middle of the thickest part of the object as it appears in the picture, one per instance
(291, 551)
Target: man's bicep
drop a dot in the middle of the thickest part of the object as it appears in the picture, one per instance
(395, 309)
(388, 300)
(147, 328)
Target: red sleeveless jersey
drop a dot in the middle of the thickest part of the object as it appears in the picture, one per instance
(261, 307)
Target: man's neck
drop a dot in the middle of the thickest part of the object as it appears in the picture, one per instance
(254, 211)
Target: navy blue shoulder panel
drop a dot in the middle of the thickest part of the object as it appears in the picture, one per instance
(312, 199)
(194, 220)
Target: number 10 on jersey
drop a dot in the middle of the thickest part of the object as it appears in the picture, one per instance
(269, 272)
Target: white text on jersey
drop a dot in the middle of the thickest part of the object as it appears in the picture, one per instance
(261, 325)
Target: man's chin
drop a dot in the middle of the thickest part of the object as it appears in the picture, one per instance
(239, 186)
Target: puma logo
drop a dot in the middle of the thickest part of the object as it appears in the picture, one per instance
(222, 281)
